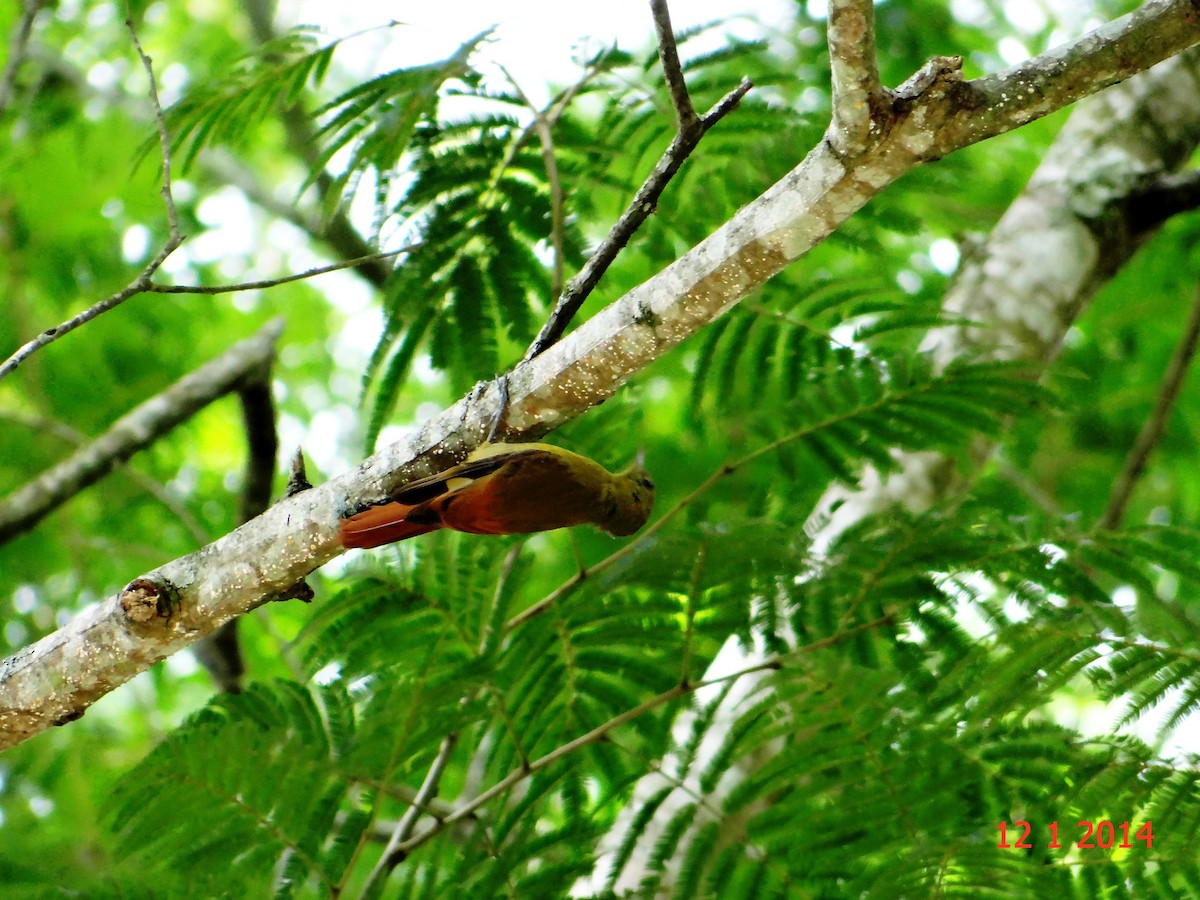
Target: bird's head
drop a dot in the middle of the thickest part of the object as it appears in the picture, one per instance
(635, 498)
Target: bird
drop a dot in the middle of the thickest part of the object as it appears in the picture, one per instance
(506, 488)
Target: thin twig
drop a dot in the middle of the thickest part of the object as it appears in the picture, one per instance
(16, 51)
(668, 56)
(156, 288)
(854, 73)
(545, 135)
(1156, 423)
(164, 139)
(393, 853)
(773, 663)
(50, 335)
(142, 283)
(639, 209)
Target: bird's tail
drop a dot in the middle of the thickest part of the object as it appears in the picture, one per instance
(381, 525)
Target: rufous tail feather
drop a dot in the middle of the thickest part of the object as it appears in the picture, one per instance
(380, 525)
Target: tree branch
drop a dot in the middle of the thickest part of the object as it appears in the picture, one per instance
(136, 430)
(1156, 30)
(262, 442)
(155, 288)
(155, 489)
(142, 282)
(169, 608)
(394, 853)
(668, 56)
(1156, 423)
(854, 73)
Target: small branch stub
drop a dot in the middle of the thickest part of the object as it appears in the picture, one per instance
(145, 599)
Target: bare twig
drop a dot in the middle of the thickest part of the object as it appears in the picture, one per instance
(857, 92)
(297, 475)
(434, 806)
(50, 335)
(155, 288)
(164, 140)
(136, 430)
(394, 853)
(545, 134)
(16, 51)
(1156, 423)
(668, 55)
(142, 283)
(643, 204)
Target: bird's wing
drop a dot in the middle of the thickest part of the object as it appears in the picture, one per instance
(424, 489)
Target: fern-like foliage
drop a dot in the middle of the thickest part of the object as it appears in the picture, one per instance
(373, 123)
(480, 204)
(224, 112)
(721, 707)
(265, 764)
(479, 198)
(884, 751)
(897, 714)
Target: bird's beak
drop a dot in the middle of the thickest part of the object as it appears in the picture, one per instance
(640, 459)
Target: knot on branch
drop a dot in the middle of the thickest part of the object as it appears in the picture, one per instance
(145, 599)
(939, 75)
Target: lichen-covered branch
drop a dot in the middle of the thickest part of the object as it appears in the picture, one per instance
(136, 430)
(854, 74)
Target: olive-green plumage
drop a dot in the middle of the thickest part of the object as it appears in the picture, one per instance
(510, 489)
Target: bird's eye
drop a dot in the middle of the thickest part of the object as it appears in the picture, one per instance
(646, 483)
